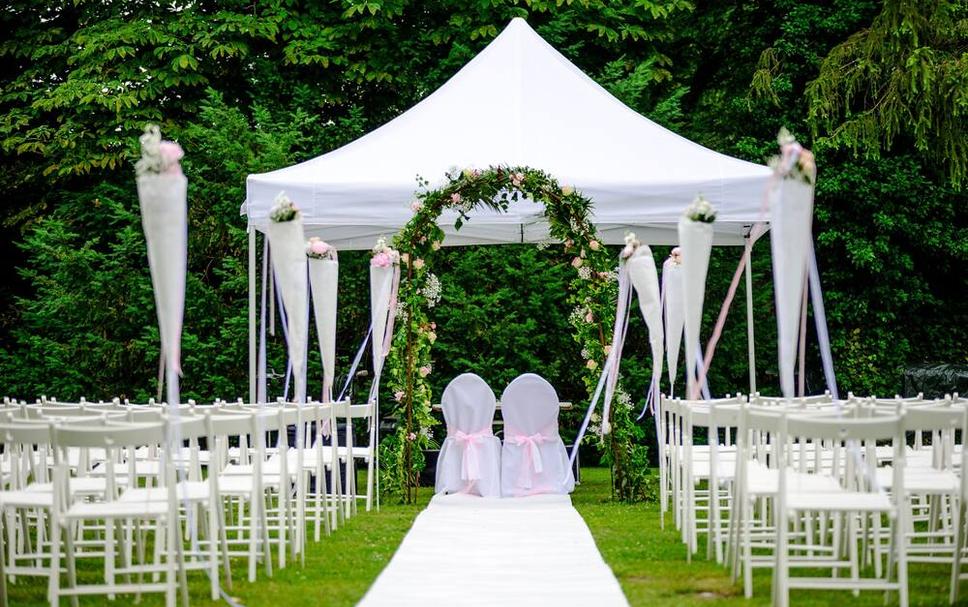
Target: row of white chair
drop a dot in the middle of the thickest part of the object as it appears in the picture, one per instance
(205, 483)
(817, 484)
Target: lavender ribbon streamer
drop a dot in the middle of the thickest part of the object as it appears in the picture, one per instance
(622, 311)
(356, 362)
(588, 413)
(285, 337)
(820, 317)
(261, 390)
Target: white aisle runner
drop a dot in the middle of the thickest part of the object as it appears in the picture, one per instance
(465, 550)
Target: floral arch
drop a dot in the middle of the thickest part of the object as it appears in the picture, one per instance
(593, 292)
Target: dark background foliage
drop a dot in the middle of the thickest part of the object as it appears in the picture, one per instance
(248, 87)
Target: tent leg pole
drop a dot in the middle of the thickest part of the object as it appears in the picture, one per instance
(750, 342)
(252, 326)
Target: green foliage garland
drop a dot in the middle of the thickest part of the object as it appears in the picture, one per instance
(594, 289)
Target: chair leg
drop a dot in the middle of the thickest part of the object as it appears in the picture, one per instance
(210, 535)
(71, 564)
(53, 584)
(3, 573)
(170, 540)
(109, 556)
(958, 519)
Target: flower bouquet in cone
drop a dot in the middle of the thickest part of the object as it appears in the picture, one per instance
(695, 244)
(645, 279)
(674, 312)
(163, 197)
(383, 265)
(323, 279)
(287, 249)
(791, 218)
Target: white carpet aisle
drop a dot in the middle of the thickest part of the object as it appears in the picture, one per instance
(465, 550)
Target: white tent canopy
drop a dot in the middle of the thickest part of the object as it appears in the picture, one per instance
(519, 102)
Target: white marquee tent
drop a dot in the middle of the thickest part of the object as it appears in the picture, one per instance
(519, 102)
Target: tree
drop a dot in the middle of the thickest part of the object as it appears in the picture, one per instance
(904, 76)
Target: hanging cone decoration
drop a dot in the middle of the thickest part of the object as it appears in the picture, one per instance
(674, 313)
(163, 197)
(324, 279)
(645, 279)
(383, 265)
(695, 242)
(287, 244)
(791, 218)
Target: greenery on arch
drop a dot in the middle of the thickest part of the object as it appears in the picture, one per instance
(594, 290)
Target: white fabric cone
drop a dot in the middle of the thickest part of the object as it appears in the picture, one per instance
(674, 317)
(287, 245)
(324, 280)
(695, 242)
(381, 283)
(164, 217)
(645, 279)
(791, 218)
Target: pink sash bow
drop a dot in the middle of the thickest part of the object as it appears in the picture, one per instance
(532, 454)
(471, 458)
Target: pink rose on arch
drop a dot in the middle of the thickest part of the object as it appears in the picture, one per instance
(381, 260)
(591, 364)
(171, 154)
(455, 197)
(418, 263)
(517, 179)
(412, 436)
(576, 262)
(318, 247)
(435, 245)
(608, 350)
(424, 371)
(433, 325)
(589, 318)
(416, 205)
(593, 245)
(398, 396)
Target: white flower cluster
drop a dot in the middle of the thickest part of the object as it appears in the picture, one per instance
(576, 317)
(701, 210)
(794, 161)
(401, 312)
(585, 273)
(585, 353)
(283, 209)
(631, 243)
(157, 157)
(622, 397)
(431, 290)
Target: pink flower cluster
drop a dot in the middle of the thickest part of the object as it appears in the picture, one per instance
(171, 155)
(318, 249)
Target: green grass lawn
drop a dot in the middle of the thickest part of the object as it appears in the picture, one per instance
(649, 562)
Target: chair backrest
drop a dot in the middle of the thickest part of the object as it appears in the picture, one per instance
(529, 405)
(468, 404)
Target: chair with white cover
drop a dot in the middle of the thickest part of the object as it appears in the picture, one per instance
(533, 459)
(470, 458)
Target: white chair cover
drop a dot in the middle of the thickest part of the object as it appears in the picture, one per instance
(470, 459)
(534, 459)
